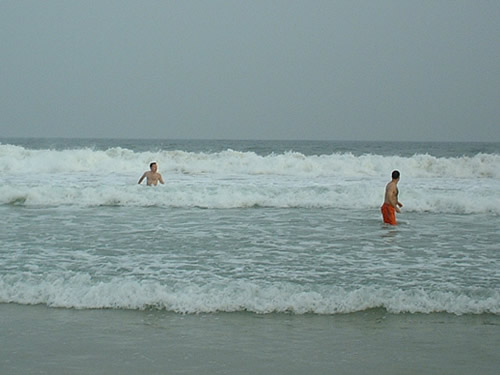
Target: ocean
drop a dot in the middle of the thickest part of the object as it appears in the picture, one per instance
(255, 257)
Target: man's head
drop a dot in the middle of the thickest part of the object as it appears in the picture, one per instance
(153, 166)
(395, 175)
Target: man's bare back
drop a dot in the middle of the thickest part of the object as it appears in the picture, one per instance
(153, 176)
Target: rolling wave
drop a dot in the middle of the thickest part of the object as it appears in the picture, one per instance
(81, 292)
(18, 160)
(233, 179)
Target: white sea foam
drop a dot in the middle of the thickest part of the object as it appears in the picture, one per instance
(18, 160)
(229, 179)
(80, 291)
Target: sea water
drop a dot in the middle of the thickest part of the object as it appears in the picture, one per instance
(248, 229)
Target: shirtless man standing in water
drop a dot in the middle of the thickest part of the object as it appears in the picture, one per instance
(391, 204)
(152, 177)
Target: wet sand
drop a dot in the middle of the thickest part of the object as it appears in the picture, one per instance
(42, 340)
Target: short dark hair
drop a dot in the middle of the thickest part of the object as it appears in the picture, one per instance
(151, 164)
(395, 175)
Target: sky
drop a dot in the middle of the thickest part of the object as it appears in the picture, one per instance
(369, 70)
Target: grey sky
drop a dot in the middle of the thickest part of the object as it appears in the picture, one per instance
(283, 69)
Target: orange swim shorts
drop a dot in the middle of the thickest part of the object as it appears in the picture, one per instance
(389, 214)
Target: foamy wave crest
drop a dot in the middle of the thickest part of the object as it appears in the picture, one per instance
(81, 292)
(232, 179)
(217, 194)
(18, 160)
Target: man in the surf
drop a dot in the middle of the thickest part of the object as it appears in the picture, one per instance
(152, 176)
(391, 204)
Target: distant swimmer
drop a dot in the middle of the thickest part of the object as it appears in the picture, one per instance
(153, 176)
(391, 204)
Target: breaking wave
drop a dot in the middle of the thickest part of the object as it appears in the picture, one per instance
(82, 292)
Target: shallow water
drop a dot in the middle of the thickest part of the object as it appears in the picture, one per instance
(262, 260)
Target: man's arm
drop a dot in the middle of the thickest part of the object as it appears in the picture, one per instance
(394, 199)
(142, 178)
(160, 178)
